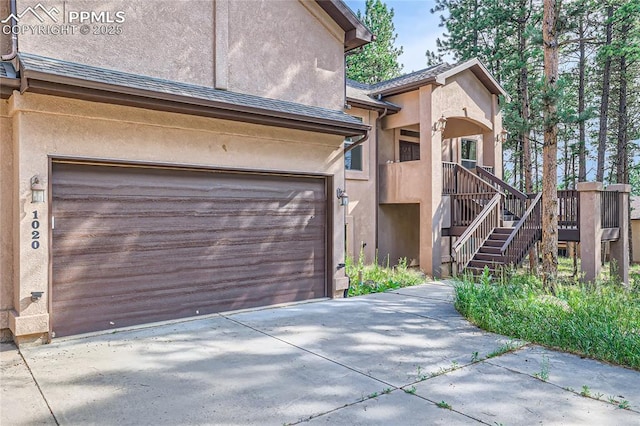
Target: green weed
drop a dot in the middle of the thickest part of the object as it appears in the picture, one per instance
(376, 278)
(600, 320)
(443, 404)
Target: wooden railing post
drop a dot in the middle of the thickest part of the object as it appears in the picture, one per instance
(590, 229)
(620, 248)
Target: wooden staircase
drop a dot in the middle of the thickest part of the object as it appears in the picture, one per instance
(488, 240)
(490, 253)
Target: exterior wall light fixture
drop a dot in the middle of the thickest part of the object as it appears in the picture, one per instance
(440, 125)
(502, 136)
(36, 295)
(343, 197)
(37, 190)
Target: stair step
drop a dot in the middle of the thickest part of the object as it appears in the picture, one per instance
(489, 250)
(498, 237)
(503, 231)
(493, 243)
(488, 257)
(481, 264)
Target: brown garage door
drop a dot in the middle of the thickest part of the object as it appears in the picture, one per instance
(133, 245)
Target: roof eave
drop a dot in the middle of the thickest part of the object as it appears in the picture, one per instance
(358, 103)
(356, 34)
(406, 88)
(70, 87)
(7, 86)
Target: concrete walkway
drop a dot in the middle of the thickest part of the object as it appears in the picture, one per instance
(385, 359)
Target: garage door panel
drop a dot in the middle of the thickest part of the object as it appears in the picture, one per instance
(154, 254)
(213, 270)
(138, 245)
(190, 302)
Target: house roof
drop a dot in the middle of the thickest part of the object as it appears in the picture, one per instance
(53, 76)
(438, 74)
(409, 81)
(356, 34)
(635, 208)
(358, 96)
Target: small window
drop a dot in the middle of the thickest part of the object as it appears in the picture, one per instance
(353, 157)
(469, 155)
(409, 151)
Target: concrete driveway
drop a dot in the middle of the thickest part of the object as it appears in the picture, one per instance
(381, 359)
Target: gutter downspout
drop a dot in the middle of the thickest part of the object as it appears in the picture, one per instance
(14, 36)
(377, 174)
(359, 142)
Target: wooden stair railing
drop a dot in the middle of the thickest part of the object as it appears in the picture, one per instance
(477, 233)
(526, 233)
(470, 197)
(515, 201)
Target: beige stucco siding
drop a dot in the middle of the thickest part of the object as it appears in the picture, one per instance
(46, 126)
(281, 49)
(464, 96)
(6, 216)
(635, 240)
(157, 38)
(286, 50)
(361, 187)
(399, 235)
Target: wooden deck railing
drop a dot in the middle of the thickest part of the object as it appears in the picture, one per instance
(477, 233)
(568, 209)
(524, 235)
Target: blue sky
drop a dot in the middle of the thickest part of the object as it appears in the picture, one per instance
(416, 26)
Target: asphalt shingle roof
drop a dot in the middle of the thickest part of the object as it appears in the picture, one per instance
(360, 92)
(368, 92)
(410, 78)
(79, 71)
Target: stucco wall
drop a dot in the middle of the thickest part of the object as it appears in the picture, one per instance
(174, 38)
(399, 236)
(361, 187)
(279, 49)
(49, 126)
(6, 218)
(635, 240)
(464, 95)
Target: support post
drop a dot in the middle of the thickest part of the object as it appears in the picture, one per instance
(620, 249)
(590, 229)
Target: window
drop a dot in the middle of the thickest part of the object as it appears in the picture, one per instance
(353, 158)
(469, 155)
(409, 151)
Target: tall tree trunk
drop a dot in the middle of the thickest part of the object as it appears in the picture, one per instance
(622, 175)
(604, 104)
(525, 136)
(582, 154)
(550, 147)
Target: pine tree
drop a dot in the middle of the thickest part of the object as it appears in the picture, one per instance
(550, 148)
(378, 60)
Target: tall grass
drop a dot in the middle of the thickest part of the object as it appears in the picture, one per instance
(375, 278)
(600, 320)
